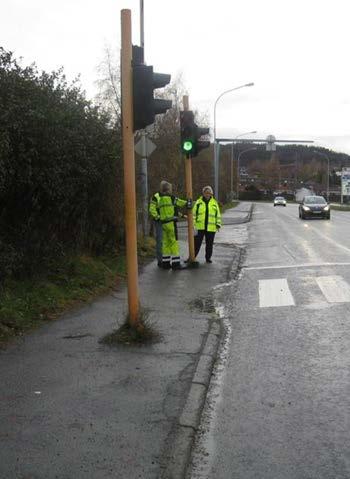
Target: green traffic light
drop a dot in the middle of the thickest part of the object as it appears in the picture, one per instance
(187, 145)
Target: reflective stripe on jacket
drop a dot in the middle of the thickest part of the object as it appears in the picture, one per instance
(214, 215)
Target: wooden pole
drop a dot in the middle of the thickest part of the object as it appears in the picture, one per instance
(129, 169)
(189, 194)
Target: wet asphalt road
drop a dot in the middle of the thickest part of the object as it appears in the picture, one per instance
(279, 403)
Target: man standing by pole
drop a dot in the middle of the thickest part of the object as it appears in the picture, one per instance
(168, 207)
(155, 214)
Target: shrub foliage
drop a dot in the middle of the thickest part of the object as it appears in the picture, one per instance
(60, 170)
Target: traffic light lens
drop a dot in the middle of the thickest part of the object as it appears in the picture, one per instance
(188, 145)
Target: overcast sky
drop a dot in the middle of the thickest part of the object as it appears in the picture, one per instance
(295, 51)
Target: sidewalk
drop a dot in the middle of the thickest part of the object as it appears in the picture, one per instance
(72, 408)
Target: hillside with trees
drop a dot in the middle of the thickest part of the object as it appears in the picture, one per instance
(289, 168)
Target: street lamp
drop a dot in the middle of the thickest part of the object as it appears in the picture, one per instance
(327, 158)
(238, 136)
(238, 175)
(216, 166)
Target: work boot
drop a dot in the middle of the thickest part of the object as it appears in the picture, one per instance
(208, 260)
(177, 266)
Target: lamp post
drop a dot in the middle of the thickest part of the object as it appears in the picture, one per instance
(216, 166)
(238, 175)
(238, 136)
(327, 158)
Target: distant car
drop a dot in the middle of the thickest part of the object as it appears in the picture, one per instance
(279, 201)
(314, 207)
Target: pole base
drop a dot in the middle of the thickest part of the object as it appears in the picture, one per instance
(192, 264)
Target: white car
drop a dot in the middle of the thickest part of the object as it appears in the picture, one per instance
(279, 201)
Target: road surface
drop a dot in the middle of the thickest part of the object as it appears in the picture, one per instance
(279, 402)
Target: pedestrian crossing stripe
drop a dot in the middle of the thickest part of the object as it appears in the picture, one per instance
(276, 292)
(334, 288)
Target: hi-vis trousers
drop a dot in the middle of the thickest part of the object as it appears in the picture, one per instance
(170, 246)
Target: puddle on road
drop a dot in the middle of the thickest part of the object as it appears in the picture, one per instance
(204, 304)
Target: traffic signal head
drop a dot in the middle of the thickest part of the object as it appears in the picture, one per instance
(144, 82)
(191, 144)
(187, 127)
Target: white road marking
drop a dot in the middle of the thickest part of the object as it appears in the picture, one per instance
(288, 266)
(274, 292)
(334, 288)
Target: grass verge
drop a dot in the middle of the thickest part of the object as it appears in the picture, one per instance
(144, 332)
(340, 207)
(26, 304)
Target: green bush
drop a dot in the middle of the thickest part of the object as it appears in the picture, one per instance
(60, 170)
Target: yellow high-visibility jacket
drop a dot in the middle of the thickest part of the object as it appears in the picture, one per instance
(154, 207)
(214, 215)
(168, 207)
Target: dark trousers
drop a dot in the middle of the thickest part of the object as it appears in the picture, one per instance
(209, 240)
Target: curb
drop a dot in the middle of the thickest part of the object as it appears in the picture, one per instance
(190, 417)
(249, 215)
(186, 428)
(239, 221)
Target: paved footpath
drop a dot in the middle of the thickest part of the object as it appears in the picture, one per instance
(73, 408)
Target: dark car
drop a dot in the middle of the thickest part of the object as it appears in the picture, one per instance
(314, 207)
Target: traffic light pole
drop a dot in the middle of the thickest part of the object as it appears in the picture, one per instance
(129, 169)
(144, 184)
(144, 172)
(189, 194)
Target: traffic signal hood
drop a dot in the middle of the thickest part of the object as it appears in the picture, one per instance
(145, 81)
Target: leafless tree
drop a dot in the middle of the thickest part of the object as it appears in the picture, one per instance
(108, 97)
